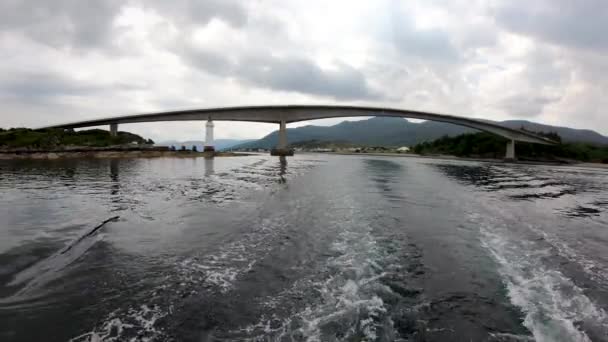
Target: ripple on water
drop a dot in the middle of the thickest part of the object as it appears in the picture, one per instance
(554, 307)
(352, 296)
(214, 272)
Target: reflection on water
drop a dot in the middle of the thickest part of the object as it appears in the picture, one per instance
(209, 169)
(114, 169)
(385, 174)
(282, 169)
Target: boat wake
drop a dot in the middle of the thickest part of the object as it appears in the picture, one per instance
(35, 277)
(555, 308)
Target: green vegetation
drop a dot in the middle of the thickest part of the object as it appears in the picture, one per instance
(55, 138)
(485, 145)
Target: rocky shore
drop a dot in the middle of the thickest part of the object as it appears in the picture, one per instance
(107, 152)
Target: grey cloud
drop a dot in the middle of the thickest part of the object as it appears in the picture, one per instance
(36, 86)
(61, 23)
(304, 76)
(526, 105)
(581, 23)
(429, 44)
(195, 12)
(89, 24)
(295, 74)
(479, 36)
(210, 61)
(545, 69)
(47, 87)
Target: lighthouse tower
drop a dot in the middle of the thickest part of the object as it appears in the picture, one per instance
(209, 136)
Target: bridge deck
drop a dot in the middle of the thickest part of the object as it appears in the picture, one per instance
(295, 113)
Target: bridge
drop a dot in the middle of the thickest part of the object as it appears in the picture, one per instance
(284, 114)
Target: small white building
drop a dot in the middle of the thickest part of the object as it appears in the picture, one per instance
(319, 149)
(403, 149)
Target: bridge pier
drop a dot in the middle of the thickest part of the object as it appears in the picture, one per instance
(281, 149)
(209, 147)
(113, 129)
(510, 155)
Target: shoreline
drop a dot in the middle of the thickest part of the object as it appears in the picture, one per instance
(111, 154)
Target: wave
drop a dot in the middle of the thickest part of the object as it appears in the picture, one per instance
(347, 302)
(43, 272)
(554, 307)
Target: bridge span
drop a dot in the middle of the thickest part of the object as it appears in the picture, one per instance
(284, 114)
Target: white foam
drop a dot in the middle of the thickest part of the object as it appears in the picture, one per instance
(348, 297)
(510, 337)
(553, 305)
(134, 325)
(593, 269)
(222, 268)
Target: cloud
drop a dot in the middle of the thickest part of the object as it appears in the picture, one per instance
(61, 23)
(91, 24)
(69, 60)
(289, 73)
(194, 12)
(430, 44)
(526, 105)
(579, 24)
(37, 86)
(51, 87)
(298, 74)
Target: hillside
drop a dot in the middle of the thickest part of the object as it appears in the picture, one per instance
(567, 134)
(486, 145)
(58, 138)
(390, 131)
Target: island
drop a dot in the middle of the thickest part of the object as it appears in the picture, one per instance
(55, 143)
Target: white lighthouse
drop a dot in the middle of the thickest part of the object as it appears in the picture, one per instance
(209, 137)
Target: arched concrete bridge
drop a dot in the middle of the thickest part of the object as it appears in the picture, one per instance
(284, 114)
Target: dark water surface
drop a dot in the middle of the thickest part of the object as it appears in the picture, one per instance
(317, 248)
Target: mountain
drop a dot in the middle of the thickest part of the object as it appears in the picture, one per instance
(391, 131)
(220, 144)
(567, 134)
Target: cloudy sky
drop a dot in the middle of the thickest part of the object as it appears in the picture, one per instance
(66, 60)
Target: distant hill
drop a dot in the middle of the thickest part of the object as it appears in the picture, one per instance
(53, 138)
(220, 144)
(390, 131)
(567, 134)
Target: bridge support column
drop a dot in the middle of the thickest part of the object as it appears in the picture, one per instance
(510, 155)
(114, 129)
(281, 149)
(209, 147)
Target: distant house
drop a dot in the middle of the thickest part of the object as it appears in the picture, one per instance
(403, 149)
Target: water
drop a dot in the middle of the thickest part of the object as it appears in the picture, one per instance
(317, 248)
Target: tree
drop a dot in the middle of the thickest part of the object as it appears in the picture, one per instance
(194, 148)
